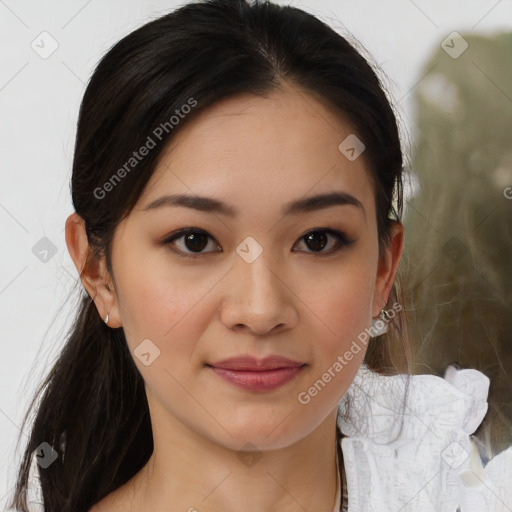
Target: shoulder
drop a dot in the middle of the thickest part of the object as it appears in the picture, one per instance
(120, 500)
(126, 498)
(410, 436)
(108, 504)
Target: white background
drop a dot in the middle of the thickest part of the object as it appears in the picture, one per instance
(39, 101)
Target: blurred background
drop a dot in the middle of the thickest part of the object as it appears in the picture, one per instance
(447, 67)
(458, 281)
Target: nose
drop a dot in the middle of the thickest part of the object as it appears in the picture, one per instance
(258, 297)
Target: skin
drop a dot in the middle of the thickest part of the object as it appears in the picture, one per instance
(294, 300)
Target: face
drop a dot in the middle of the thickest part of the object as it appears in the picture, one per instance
(254, 278)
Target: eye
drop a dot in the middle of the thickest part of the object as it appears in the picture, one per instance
(317, 240)
(195, 240)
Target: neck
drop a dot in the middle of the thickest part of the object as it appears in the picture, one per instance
(195, 474)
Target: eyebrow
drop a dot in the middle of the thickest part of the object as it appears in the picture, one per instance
(211, 205)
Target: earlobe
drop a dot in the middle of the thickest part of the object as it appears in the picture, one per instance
(92, 271)
(388, 266)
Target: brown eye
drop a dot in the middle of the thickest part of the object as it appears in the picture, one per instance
(194, 241)
(318, 239)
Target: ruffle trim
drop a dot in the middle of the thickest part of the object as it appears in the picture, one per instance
(408, 444)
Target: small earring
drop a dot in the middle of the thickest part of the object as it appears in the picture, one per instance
(106, 319)
(380, 324)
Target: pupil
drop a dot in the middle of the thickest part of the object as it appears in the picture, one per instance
(193, 242)
(318, 239)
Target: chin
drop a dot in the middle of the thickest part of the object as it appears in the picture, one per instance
(260, 436)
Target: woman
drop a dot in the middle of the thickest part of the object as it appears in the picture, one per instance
(250, 371)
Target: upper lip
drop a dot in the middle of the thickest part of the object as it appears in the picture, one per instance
(249, 363)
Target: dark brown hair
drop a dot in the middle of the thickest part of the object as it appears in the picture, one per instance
(93, 409)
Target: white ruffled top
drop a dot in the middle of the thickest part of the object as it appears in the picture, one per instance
(431, 464)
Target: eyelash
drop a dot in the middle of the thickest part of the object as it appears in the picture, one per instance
(343, 240)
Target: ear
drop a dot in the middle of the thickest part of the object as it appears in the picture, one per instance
(93, 272)
(387, 267)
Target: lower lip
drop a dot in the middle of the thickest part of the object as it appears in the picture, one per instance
(258, 381)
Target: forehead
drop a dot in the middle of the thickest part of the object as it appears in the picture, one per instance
(252, 151)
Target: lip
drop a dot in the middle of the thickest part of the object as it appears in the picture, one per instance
(254, 364)
(254, 374)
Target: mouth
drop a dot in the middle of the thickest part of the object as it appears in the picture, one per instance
(252, 374)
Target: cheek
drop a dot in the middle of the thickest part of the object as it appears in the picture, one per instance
(160, 305)
(169, 314)
(342, 298)
(341, 310)
(344, 308)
